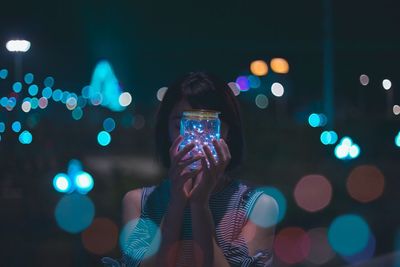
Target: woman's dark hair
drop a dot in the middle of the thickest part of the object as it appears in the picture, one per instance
(202, 90)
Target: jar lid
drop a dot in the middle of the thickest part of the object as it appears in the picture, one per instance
(202, 113)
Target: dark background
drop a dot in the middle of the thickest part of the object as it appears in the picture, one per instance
(150, 43)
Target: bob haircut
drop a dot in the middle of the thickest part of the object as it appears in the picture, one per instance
(202, 90)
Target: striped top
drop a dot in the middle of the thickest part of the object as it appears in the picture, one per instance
(230, 208)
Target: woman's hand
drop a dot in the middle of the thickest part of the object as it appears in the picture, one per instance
(209, 177)
(181, 177)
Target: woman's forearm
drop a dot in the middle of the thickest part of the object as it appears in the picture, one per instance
(170, 228)
(203, 234)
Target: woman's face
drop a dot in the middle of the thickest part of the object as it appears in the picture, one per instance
(175, 119)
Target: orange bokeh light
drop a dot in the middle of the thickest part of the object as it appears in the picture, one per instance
(280, 65)
(313, 192)
(365, 183)
(101, 237)
(259, 67)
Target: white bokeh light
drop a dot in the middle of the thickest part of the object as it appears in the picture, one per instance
(277, 89)
(125, 99)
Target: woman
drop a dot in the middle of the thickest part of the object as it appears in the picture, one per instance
(201, 217)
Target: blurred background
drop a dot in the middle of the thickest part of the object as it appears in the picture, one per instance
(317, 81)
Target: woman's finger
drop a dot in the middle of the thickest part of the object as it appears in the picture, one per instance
(184, 163)
(178, 156)
(174, 147)
(220, 152)
(210, 157)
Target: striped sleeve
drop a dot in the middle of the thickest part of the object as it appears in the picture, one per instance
(238, 253)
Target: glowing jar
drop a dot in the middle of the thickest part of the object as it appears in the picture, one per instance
(200, 127)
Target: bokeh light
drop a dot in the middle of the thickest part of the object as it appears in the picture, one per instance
(62, 183)
(47, 92)
(243, 83)
(328, 137)
(77, 113)
(101, 237)
(346, 149)
(16, 126)
(396, 109)
(313, 192)
(254, 81)
(3, 74)
(43, 102)
(365, 254)
(28, 78)
(277, 89)
(397, 139)
(344, 227)
(17, 87)
(364, 79)
(25, 138)
(125, 99)
(261, 101)
(103, 138)
(279, 65)
(365, 183)
(314, 120)
(279, 198)
(26, 106)
(74, 212)
(292, 245)
(161, 92)
(57, 95)
(48, 81)
(33, 89)
(386, 84)
(259, 67)
(320, 249)
(2, 127)
(84, 182)
(234, 87)
(71, 103)
(109, 124)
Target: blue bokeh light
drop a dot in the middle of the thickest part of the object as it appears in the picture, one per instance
(49, 81)
(62, 183)
(57, 95)
(3, 74)
(34, 103)
(33, 89)
(254, 81)
(74, 213)
(103, 138)
(16, 126)
(109, 124)
(28, 78)
(348, 234)
(397, 140)
(243, 83)
(4, 101)
(365, 254)
(84, 182)
(77, 113)
(47, 92)
(25, 138)
(314, 120)
(2, 127)
(17, 87)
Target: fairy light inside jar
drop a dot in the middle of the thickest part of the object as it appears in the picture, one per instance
(200, 127)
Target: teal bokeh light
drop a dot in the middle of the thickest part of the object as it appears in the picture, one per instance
(279, 198)
(74, 213)
(2, 127)
(47, 92)
(109, 124)
(28, 78)
(62, 183)
(57, 95)
(397, 140)
(254, 81)
(348, 234)
(103, 138)
(49, 81)
(77, 113)
(17, 87)
(84, 182)
(16, 126)
(33, 89)
(3, 74)
(25, 138)
(314, 120)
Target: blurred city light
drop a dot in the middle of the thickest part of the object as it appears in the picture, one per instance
(397, 139)
(364, 79)
(74, 213)
(109, 124)
(396, 109)
(261, 101)
(313, 193)
(328, 137)
(346, 149)
(254, 81)
(279, 198)
(365, 183)
(103, 138)
(387, 84)
(16, 126)
(3, 74)
(243, 83)
(83, 182)
(28, 78)
(345, 226)
(320, 249)
(101, 236)
(161, 92)
(125, 99)
(62, 183)
(25, 138)
(277, 89)
(292, 245)
(279, 65)
(259, 67)
(18, 45)
(17, 87)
